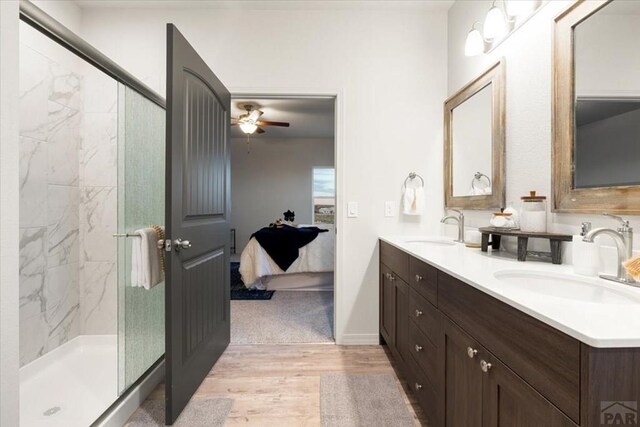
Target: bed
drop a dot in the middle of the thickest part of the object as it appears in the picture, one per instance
(313, 269)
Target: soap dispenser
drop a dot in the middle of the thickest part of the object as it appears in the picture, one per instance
(586, 256)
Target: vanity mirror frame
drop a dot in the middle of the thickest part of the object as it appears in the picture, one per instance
(494, 76)
(566, 198)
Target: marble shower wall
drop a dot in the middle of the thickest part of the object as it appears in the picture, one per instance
(67, 197)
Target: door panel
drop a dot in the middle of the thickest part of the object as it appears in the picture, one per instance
(198, 207)
(387, 306)
(510, 402)
(463, 379)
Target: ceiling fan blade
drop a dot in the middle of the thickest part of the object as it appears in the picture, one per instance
(268, 123)
(259, 130)
(255, 115)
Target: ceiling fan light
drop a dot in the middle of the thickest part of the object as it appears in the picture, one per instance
(495, 24)
(248, 127)
(474, 45)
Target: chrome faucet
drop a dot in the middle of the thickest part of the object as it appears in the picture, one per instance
(624, 243)
(460, 220)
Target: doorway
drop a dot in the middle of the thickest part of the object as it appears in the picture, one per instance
(283, 175)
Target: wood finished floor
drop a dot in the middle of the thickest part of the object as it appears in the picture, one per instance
(279, 385)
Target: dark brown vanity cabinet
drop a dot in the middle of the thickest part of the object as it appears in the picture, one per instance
(472, 360)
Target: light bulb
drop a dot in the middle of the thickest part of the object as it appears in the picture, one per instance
(495, 24)
(474, 44)
(248, 127)
(518, 7)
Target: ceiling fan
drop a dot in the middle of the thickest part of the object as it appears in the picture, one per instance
(250, 122)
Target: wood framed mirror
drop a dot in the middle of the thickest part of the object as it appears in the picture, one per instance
(596, 108)
(474, 143)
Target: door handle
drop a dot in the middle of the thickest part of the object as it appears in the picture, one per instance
(181, 244)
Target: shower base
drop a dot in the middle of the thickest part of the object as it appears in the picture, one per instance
(71, 385)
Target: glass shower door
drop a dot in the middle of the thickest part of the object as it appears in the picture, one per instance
(141, 203)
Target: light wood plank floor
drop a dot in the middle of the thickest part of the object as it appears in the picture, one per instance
(279, 385)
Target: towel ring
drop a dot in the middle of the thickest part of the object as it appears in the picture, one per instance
(411, 177)
(477, 177)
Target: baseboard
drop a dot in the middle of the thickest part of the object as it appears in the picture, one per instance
(121, 411)
(358, 339)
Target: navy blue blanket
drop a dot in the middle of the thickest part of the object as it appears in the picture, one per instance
(282, 243)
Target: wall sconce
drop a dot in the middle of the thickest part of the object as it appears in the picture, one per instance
(499, 23)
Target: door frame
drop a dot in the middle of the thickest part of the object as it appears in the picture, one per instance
(338, 95)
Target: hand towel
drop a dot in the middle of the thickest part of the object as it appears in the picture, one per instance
(146, 267)
(413, 201)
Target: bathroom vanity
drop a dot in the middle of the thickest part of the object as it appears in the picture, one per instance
(483, 342)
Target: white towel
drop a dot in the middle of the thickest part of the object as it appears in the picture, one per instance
(146, 269)
(413, 201)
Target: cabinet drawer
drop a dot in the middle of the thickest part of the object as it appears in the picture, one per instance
(544, 357)
(425, 315)
(424, 352)
(424, 392)
(424, 279)
(395, 259)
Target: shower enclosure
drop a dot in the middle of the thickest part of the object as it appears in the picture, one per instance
(91, 168)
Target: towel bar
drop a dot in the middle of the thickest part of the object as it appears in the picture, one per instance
(161, 244)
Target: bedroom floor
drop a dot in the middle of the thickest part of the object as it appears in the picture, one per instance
(288, 317)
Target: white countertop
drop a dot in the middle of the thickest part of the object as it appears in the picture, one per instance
(599, 324)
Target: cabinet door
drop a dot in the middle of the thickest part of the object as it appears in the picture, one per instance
(463, 378)
(402, 319)
(509, 401)
(387, 305)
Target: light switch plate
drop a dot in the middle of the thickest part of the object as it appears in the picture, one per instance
(352, 209)
(389, 209)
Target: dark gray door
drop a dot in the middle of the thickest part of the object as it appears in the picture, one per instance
(198, 208)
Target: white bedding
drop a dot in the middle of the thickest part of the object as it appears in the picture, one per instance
(316, 257)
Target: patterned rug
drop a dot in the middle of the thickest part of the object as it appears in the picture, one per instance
(240, 292)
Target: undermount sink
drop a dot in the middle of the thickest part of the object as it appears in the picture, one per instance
(439, 241)
(567, 287)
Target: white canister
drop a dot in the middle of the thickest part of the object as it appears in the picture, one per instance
(533, 215)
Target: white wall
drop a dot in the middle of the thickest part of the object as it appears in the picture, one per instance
(9, 213)
(528, 54)
(275, 176)
(386, 61)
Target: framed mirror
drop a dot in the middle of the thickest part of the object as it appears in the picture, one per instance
(474, 143)
(596, 108)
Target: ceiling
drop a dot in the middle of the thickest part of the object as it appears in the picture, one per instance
(309, 117)
(433, 5)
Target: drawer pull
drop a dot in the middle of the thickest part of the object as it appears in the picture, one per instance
(418, 347)
(471, 352)
(418, 277)
(418, 387)
(418, 313)
(485, 366)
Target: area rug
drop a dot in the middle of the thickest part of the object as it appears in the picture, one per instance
(362, 400)
(240, 292)
(199, 412)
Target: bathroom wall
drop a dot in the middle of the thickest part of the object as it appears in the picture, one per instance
(275, 176)
(528, 54)
(387, 61)
(9, 215)
(68, 128)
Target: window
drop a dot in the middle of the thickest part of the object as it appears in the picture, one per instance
(324, 195)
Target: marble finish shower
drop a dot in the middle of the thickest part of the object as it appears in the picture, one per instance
(91, 166)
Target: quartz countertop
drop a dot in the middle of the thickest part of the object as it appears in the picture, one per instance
(612, 322)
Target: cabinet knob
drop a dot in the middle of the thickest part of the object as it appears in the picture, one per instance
(418, 347)
(418, 277)
(418, 313)
(471, 352)
(391, 276)
(485, 366)
(418, 386)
